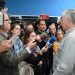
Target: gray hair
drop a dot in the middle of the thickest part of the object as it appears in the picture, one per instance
(71, 13)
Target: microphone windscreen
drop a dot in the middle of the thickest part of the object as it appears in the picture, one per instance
(52, 39)
(44, 36)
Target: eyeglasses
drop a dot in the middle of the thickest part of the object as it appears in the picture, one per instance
(17, 28)
(7, 20)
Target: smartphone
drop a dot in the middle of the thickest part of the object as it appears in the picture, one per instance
(35, 41)
(1, 19)
(13, 39)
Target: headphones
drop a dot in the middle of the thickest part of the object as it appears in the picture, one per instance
(1, 19)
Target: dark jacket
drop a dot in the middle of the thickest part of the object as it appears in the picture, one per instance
(9, 60)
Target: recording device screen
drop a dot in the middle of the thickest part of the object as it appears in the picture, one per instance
(1, 19)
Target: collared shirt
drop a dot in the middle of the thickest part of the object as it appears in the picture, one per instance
(64, 59)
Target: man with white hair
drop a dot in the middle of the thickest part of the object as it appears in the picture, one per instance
(64, 59)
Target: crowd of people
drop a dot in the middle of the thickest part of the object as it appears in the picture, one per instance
(31, 51)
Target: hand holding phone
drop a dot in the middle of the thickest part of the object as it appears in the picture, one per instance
(31, 44)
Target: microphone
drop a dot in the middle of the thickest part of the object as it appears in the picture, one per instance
(50, 41)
